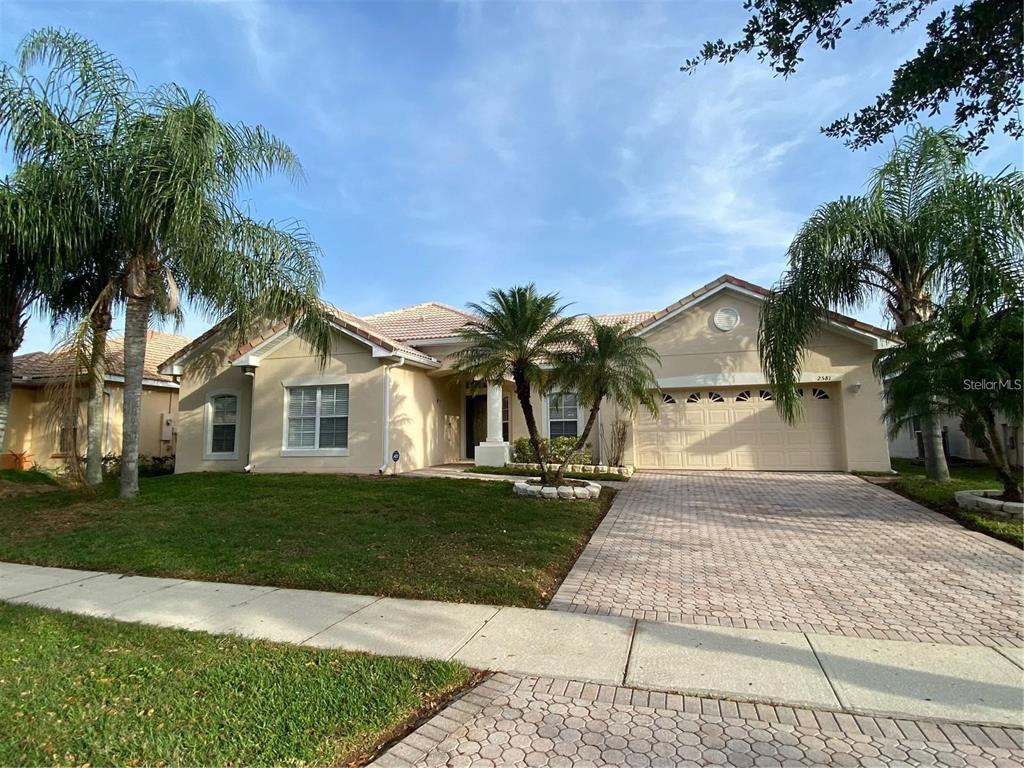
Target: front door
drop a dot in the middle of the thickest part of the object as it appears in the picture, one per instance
(476, 422)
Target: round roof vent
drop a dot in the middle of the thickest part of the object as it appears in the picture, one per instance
(726, 319)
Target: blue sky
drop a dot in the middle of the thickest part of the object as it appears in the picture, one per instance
(454, 147)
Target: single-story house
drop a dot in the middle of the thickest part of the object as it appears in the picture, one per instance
(269, 406)
(31, 426)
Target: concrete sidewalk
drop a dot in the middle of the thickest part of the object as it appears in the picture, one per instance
(909, 679)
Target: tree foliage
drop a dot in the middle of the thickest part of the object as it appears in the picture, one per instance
(973, 58)
(923, 221)
(608, 362)
(164, 175)
(516, 335)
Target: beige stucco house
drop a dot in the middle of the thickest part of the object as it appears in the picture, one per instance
(269, 406)
(35, 434)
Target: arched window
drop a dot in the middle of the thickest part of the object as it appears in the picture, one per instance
(693, 397)
(714, 397)
(743, 396)
(766, 395)
(819, 394)
(667, 399)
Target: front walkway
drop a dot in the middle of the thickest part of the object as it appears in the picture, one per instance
(918, 680)
(823, 554)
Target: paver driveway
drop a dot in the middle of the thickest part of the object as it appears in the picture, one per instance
(820, 553)
(511, 721)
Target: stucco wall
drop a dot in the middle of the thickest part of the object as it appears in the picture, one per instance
(31, 428)
(425, 412)
(426, 418)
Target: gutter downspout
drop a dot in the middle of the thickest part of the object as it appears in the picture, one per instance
(387, 412)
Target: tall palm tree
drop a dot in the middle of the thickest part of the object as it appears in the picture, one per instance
(36, 233)
(174, 171)
(67, 123)
(966, 360)
(517, 335)
(891, 243)
(608, 362)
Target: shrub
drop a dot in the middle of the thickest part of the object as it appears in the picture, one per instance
(553, 450)
(149, 466)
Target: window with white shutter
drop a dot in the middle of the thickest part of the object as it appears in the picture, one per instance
(317, 418)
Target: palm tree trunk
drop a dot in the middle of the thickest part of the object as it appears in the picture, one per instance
(6, 376)
(914, 310)
(935, 466)
(136, 326)
(97, 375)
(523, 395)
(580, 441)
(12, 333)
(984, 433)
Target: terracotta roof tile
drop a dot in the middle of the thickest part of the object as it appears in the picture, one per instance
(430, 320)
(399, 330)
(47, 365)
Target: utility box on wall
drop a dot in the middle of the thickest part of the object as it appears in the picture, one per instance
(166, 427)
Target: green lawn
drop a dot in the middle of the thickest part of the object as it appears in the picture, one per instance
(912, 483)
(77, 691)
(483, 469)
(441, 539)
(27, 477)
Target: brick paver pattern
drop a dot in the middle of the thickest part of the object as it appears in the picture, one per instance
(819, 553)
(511, 721)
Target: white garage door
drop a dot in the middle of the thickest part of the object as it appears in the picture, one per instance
(738, 428)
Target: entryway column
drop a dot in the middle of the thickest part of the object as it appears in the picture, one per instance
(493, 452)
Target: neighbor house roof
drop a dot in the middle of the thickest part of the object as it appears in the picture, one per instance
(42, 366)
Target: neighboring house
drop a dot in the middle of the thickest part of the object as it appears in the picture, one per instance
(388, 386)
(52, 442)
(908, 445)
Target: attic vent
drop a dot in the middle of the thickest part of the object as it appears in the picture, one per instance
(726, 319)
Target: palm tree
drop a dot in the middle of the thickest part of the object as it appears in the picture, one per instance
(36, 232)
(607, 362)
(517, 335)
(67, 124)
(965, 360)
(891, 243)
(173, 172)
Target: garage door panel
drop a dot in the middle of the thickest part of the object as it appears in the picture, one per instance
(747, 433)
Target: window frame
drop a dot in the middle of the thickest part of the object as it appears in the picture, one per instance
(208, 452)
(548, 420)
(319, 383)
(67, 434)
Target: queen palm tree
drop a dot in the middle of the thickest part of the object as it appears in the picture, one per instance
(607, 362)
(36, 235)
(892, 243)
(966, 361)
(173, 171)
(517, 335)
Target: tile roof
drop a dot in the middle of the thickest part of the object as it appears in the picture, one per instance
(399, 330)
(346, 320)
(429, 320)
(47, 365)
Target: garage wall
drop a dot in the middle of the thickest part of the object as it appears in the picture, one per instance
(690, 345)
